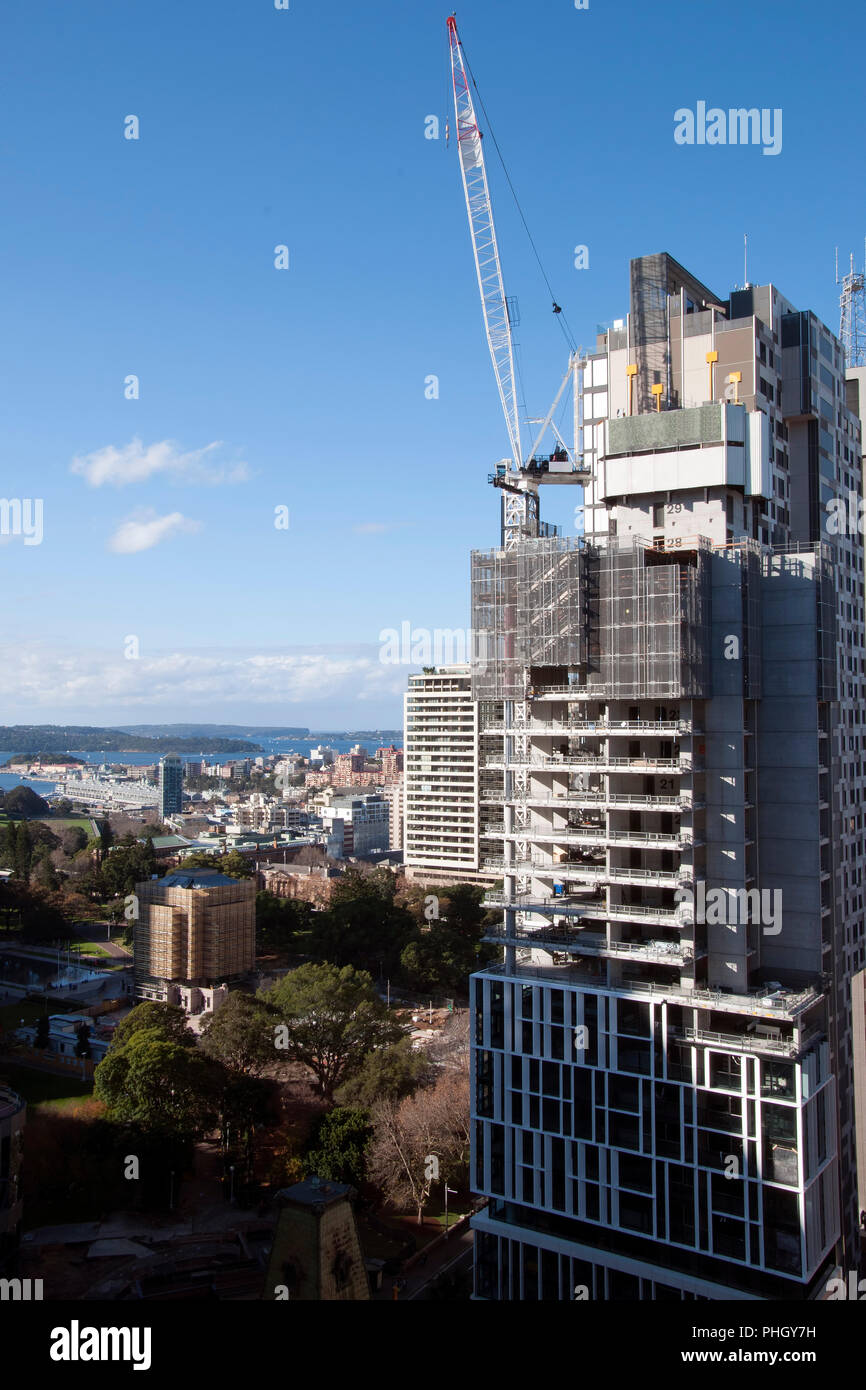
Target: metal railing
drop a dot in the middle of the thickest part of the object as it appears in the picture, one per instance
(574, 727)
(553, 760)
(592, 797)
(591, 943)
(753, 1004)
(598, 873)
(743, 1042)
(572, 834)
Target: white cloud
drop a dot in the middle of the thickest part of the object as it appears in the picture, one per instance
(97, 686)
(145, 530)
(136, 462)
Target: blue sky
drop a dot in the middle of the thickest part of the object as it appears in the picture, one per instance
(305, 388)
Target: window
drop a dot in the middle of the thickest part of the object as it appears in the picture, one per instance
(777, 1079)
(658, 514)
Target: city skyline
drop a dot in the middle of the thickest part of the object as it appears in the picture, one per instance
(260, 389)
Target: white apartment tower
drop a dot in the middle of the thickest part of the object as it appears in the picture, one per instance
(452, 809)
(664, 1061)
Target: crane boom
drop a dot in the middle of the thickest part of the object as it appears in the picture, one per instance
(497, 323)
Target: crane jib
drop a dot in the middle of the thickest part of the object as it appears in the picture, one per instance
(494, 306)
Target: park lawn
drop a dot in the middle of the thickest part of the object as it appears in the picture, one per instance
(88, 948)
(58, 823)
(41, 1088)
(439, 1217)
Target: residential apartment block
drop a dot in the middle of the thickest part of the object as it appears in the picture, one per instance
(362, 819)
(452, 794)
(170, 785)
(664, 1063)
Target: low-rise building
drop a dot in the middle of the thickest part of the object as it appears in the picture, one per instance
(365, 818)
(196, 928)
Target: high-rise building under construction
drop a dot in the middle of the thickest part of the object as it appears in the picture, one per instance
(664, 1061)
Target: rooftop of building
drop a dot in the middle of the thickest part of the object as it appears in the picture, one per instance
(169, 841)
(315, 1192)
(198, 878)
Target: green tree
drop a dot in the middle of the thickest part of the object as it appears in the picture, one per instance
(106, 837)
(10, 900)
(333, 1018)
(246, 1104)
(8, 844)
(127, 865)
(73, 839)
(462, 910)
(24, 801)
(234, 864)
(168, 1020)
(364, 925)
(279, 919)
(43, 866)
(240, 1034)
(386, 1073)
(338, 1146)
(159, 1084)
(439, 959)
(41, 918)
(22, 852)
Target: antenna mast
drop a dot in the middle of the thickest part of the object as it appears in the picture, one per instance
(852, 314)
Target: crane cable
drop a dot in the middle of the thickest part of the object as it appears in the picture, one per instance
(563, 321)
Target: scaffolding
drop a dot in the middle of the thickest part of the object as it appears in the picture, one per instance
(654, 621)
(628, 620)
(527, 611)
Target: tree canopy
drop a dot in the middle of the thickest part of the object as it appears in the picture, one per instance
(168, 1020)
(278, 920)
(364, 925)
(387, 1072)
(240, 1034)
(24, 801)
(160, 1084)
(332, 1019)
(337, 1150)
(126, 865)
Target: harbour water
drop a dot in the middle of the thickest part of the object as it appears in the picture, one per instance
(268, 745)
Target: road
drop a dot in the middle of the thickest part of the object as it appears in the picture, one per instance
(93, 931)
(451, 1254)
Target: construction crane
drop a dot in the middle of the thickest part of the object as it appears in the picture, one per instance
(852, 314)
(520, 476)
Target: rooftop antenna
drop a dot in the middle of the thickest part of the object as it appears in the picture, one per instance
(745, 260)
(852, 313)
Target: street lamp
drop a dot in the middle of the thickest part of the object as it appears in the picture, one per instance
(453, 1191)
(232, 1187)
